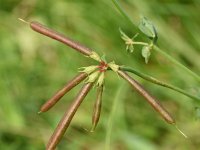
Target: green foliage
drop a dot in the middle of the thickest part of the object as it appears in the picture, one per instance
(33, 67)
(148, 28)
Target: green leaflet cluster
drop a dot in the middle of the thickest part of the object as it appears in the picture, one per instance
(146, 27)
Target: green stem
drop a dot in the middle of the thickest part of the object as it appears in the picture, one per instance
(156, 81)
(140, 43)
(123, 13)
(156, 48)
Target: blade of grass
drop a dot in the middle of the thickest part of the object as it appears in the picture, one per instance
(156, 48)
(123, 13)
(111, 118)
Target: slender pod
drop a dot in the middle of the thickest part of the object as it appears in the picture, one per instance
(38, 27)
(71, 84)
(97, 108)
(154, 103)
(65, 121)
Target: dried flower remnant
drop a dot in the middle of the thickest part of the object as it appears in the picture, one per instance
(103, 66)
(89, 69)
(100, 80)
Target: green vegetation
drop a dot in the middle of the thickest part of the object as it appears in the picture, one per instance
(33, 68)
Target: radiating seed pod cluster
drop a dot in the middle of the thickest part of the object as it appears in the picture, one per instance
(91, 74)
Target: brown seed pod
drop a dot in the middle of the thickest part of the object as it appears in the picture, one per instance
(67, 117)
(154, 103)
(36, 26)
(71, 84)
(97, 108)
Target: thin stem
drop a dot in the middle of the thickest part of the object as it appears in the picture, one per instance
(140, 43)
(158, 82)
(36, 26)
(150, 99)
(67, 117)
(177, 63)
(69, 85)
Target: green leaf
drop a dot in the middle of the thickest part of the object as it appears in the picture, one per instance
(146, 53)
(147, 28)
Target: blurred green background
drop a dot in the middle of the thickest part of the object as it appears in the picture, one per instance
(33, 68)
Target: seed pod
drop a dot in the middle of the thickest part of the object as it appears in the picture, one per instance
(71, 84)
(154, 103)
(97, 108)
(66, 119)
(60, 37)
